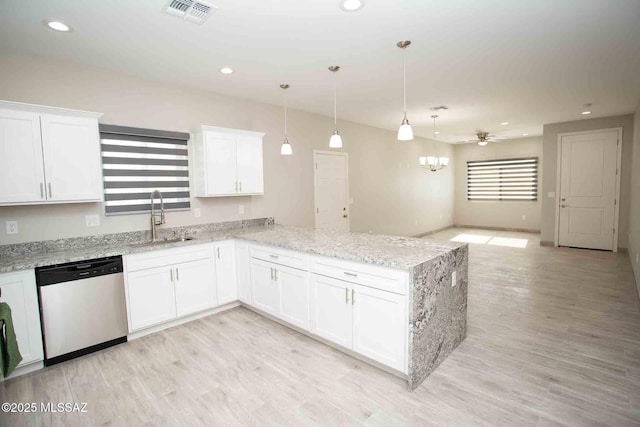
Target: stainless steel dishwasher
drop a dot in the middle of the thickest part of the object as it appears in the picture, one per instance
(82, 307)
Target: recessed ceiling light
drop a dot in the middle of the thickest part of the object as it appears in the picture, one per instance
(57, 25)
(586, 109)
(437, 132)
(226, 70)
(504, 123)
(525, 134)
(586, 112)
(351, 5)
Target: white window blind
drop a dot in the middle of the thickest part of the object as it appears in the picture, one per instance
(136, 162)
(505, 179)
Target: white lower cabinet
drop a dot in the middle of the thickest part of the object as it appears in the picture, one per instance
(194, 285)
(264, 288)
(243, 274)
(368, 321)
(226, 285)
(380, 325)
(151, 296)
(294, 295)
(167, 284)
(331, 310)
(19, 291)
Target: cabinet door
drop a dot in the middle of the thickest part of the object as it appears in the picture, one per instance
(19, 291)
(195, 286)
(380, 326)
(73, 168)
(227, 288)
(294, 296)
(21, 169)
(264, 288)
(220, 165)
(151, 297)
(331, 310)
(243, 273)
(249, 160)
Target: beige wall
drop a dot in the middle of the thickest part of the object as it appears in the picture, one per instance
(496, 214)
(634, 205)
(549, 170)
(391, 193)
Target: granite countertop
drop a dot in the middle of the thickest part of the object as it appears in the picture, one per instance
(390, 251)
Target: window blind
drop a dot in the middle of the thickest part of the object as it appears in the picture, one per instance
(136, 162)
(505, 179)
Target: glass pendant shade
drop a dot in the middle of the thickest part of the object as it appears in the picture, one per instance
(423, 161)
(444, 161)
(286, 150)
(482, 143)
(405, 133)
(336, 140)
(432, 161)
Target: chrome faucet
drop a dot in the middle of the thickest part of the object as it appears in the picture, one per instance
(154, 215)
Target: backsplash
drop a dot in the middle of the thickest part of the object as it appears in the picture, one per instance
(20, 249)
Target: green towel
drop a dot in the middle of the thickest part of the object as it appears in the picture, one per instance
(10, 355)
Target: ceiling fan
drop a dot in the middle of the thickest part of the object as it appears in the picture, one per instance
(483, 138)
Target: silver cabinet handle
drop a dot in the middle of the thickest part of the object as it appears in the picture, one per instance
(42, 190)
(273, 256)
(177, 274)
(50, 193)
(275, 274)
(218, 253)
(271, 273)
(171, 274)
(353, 297)
(241, 186)
(346, 295)
(350, 274)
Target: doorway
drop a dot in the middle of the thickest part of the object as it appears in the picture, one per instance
(331, 190)
(588, 188)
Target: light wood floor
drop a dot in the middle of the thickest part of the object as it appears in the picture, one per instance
(553, 339)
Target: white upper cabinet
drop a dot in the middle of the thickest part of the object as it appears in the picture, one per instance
(227, 162)
(50, 155)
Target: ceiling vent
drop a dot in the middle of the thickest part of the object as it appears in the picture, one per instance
(190, 10)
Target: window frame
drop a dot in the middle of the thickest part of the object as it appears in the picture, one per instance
(498, 185)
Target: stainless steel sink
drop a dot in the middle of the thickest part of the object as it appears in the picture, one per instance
(163, 241)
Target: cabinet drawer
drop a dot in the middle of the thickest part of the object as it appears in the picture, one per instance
(160, 258)
(280, 256)
(382, 278)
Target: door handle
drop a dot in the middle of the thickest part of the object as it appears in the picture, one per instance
(563, 199)
(564, 206)
(345, 216)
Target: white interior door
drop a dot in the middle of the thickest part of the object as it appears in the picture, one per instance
(588, 189)
(331, 190)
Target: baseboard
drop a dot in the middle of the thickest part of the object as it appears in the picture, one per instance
(437, 230)
(546, 243)
(622, 250)
(483, 227)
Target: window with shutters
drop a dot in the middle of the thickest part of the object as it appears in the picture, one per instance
(503, 179)
(135, 162)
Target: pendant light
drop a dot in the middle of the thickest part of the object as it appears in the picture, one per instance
(285, 149)
(434, 163)
(405, 133)
(336, 139)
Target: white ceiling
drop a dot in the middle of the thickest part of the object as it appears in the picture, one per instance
(490, 61)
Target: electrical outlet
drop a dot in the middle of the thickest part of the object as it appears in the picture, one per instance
(12, 227)
(524, 217)
(197, 212)
(241, 209)
(92, 220)
(637, 256)
(453, 279)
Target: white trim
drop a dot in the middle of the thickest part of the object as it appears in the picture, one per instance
(616, 212)
(44, 109)
(205, 128)
(314, 166)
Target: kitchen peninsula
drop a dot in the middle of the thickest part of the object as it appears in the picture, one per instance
(399, 303)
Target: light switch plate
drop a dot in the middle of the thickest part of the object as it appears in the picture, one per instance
(197, 212)
(524, 217)
(92, 220)
(453, 279)
(12, 227)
